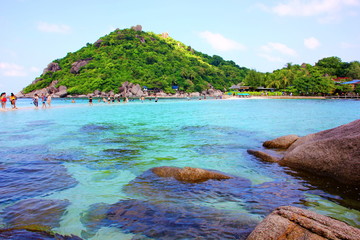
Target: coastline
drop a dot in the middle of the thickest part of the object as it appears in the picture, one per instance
(224, 97)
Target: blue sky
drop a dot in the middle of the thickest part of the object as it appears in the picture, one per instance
(258, 34)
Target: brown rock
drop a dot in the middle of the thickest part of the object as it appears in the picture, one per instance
(79, 64)
(188, 174)
(52, 67)
(334, 153)
(137, 28)
(283, 142)
(264, 156)
(296, 223)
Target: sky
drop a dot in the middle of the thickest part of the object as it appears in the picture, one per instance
(258, 34)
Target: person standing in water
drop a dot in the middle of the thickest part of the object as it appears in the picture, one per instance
(3, 100)
(13, 99)
(49, 100)
(90, 101)
(36, 100)
(43, 99)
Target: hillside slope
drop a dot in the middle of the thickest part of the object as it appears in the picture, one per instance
(138, 57)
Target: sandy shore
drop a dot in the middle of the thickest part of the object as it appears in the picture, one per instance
(273, 97)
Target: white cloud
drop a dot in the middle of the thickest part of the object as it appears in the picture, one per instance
(220, 43)
(276, 52)
(12, 70)
(279, 48)
(311, 43)
(327, 10)
(271, 58)
(347, 45)
(53, 28)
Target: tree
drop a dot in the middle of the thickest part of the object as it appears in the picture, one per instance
(254, 79)
(354, 70)
(332, 66)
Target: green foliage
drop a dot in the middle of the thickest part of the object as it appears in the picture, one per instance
(142, 58)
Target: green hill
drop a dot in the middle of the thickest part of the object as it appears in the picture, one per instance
(144, 58)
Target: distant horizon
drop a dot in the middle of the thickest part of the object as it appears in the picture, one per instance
(258, 35)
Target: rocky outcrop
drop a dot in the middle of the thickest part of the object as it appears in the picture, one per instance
(283, 142)
(79, 64)
(332, 153)
(98, 43)
(130, 90)
(52, 67)
(296, 223)
(188, 174)
(137, 28)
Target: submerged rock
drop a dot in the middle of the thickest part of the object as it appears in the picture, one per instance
(32, 212)
(169, 221)
(188, 174)
(19, 234)
(256, 199)
(33, 179)
(296, 223)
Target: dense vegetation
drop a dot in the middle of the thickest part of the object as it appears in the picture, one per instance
(144, 58)
(306, 79)
(158, 61)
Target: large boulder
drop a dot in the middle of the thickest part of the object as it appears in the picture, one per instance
(62, 92)
(188, 174)
(296, 223)
(334, 153)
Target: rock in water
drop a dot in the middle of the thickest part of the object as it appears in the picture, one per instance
(188, 174)
(283, 142)
(18, 234)
(334, 153)
(296, 223)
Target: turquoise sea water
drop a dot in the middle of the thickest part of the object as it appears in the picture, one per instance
(70, 166)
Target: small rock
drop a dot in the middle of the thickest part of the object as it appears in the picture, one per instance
(283, 142)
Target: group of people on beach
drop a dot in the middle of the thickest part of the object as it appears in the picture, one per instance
(45, 99)
(12, 99)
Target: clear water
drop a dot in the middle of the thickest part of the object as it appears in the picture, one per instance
(76, 157)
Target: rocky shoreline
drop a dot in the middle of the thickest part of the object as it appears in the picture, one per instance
(127, 89)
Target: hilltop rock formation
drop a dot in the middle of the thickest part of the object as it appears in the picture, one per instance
(188, 174)
(137, 28)
(332, 153)
(296, 223)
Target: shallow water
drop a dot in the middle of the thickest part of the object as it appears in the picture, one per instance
(85, 161)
